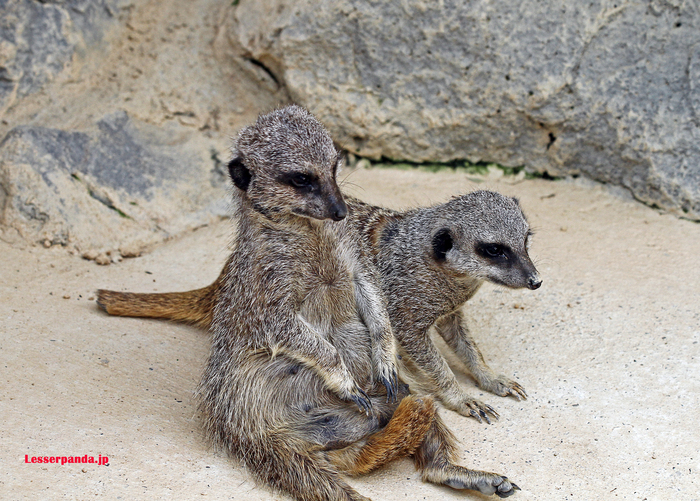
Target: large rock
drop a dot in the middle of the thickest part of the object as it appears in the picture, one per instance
(117, 116)
(121, 185)
(607, 89)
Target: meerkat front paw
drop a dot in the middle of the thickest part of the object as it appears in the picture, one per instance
(358, 395)
(342, 384)
(504, 387)
(471, 407)
(387, 374)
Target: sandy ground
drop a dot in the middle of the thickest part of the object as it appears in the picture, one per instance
(607, 350)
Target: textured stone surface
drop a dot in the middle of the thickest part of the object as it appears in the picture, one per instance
(610, 89)
(115, 118)
(118, 185)
(606, 89)
(38, 39)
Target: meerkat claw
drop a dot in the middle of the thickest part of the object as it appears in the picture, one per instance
(514, 389)
(505, 387)
(392, 387)
(484, 416)
(478, 410)
(493, 412)
(520, 392)
(362, 400)
(390, 392)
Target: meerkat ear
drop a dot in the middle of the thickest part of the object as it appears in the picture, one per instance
(239, 173)
(442, 243)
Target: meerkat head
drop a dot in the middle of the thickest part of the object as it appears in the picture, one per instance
(485, 235)
(287, 164)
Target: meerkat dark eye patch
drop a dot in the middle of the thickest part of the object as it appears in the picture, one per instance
(299, 180)
(442, 243)
(494, 252)
(240, 175)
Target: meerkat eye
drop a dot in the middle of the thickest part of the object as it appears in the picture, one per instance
(303, 182)
(492, 251)
(300, 180)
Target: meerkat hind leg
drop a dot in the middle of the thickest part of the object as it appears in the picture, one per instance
(436, 458)
(401, 436)
(459, 477)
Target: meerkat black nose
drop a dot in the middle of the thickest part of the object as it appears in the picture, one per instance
(534, 283)
(339, 212)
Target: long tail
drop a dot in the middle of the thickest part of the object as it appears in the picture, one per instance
(192, 307)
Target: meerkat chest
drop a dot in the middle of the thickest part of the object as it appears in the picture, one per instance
(330, 307)
(328, 297)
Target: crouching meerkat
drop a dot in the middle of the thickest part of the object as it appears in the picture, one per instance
(301, 382)
(431, 261)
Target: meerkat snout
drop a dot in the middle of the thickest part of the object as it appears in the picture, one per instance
(339, 211)
(506, 265)
(534, 282)
(336, 207)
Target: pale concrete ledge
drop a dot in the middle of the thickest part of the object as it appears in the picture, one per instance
(607, 350)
